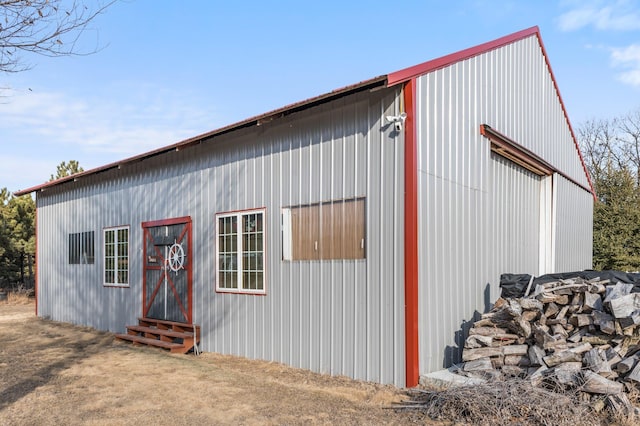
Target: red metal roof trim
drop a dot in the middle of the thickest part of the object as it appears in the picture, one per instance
(425, 67)
(196, 140)
(435, 64)
(390, 80)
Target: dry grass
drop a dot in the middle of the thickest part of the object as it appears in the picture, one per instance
(509, 401)
(19, 298)
(59, 374)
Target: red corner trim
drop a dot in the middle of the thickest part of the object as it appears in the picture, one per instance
(411, 238)
(36, 259)
(416, 70)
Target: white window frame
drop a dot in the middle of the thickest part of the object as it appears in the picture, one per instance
(239, 254)
(116, 256)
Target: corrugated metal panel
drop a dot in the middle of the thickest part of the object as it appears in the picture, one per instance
(341, 317)
(479, 216)
(574, 230)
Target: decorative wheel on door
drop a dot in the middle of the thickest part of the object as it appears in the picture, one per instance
(176, 257)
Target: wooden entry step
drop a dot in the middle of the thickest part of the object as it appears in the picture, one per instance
(177, 337)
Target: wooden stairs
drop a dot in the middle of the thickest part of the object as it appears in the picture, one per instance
(176, 337)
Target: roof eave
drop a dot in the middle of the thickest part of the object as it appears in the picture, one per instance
(196, 140)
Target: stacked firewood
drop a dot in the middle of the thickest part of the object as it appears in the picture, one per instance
(577, 333)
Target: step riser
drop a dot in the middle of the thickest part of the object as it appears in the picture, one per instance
(176, 337)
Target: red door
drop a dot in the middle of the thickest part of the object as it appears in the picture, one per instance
(167, 270)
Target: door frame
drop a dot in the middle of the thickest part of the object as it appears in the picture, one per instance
(186, 220)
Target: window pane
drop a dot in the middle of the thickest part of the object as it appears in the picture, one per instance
(88, 250)
(73, 249)
(228, 280)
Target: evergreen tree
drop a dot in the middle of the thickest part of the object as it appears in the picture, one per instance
(65, 169)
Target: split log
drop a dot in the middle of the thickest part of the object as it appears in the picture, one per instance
(478, 341)
(581, 348)
(552, 309)
(597, 287)
(480, 364)
(562, 321)
(612, 357)
(477, 353)
(515, 350)
(626, 365)
(562, 313)
(597, 362)
(595, 383)
(488, 331)
(562, 357)
(535, 355)
(577, 336)
(624, 306)
(519, 360)
(538, 375)
(635, 374)
(547, 297)
(530, 316)
(581, 320)
(604, 321)
(497, 362)
(565, 373)
(597, 339)
(559, 330)
(578, 299)
(616, 291)
(632, 320)
(530, 304)
(592, 302)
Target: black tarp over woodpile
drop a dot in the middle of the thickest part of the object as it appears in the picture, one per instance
(515, 285)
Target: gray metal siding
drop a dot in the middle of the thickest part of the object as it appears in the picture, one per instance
(468, 232)
(574, 226)
(343, 317)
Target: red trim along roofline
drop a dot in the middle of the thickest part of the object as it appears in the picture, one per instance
(391, 79)
(435, 64)
(196, 140)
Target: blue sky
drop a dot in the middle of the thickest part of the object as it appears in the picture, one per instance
(169, 70)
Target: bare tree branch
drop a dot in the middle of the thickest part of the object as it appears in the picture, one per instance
(43, 27)
(629, 139)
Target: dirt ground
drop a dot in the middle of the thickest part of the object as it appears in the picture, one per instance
(55, 373)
